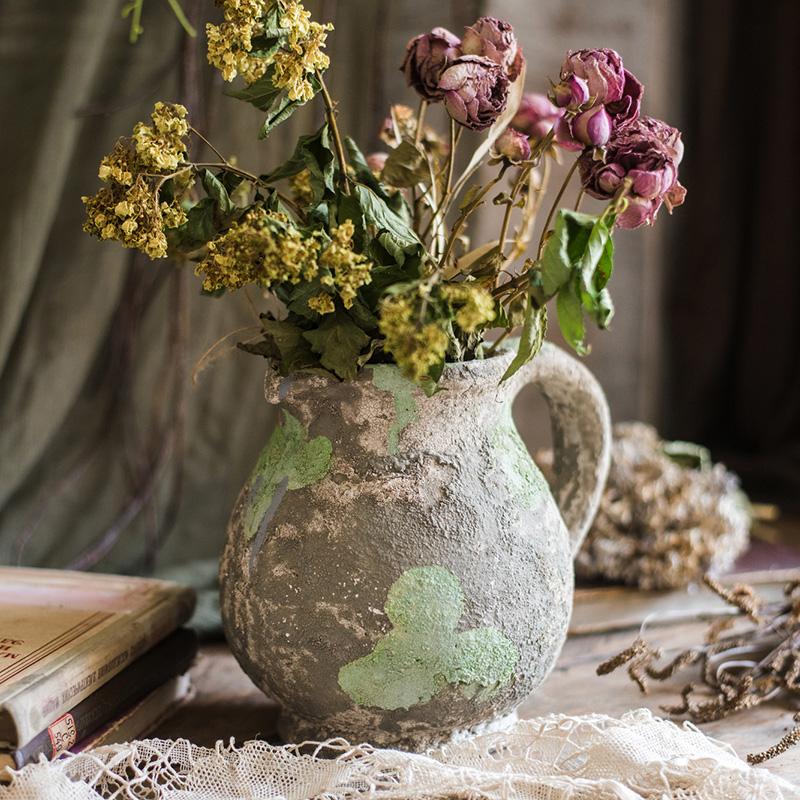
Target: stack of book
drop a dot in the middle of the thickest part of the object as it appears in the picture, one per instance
(87, 659)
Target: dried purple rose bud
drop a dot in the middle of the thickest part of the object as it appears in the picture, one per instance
(592, 127)
(475, 91)
(513, 146)
(571, 91)
(375, 161)
(427, 55)
(494, 39)
(536, 116)
(647, 152)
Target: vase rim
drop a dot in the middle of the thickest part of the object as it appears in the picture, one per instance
(478, 372)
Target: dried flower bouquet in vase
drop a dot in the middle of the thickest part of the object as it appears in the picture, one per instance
(396, 567)
(370, 255)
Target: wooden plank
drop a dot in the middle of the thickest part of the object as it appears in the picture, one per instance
(620, 608)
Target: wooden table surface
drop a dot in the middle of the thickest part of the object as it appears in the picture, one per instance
(227, 704)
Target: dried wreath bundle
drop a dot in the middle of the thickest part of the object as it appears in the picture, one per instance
(369, 256)
(667, 515)
(758, 659)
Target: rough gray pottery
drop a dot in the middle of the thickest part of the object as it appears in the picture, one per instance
(396, 567)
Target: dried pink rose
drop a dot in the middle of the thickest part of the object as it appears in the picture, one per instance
(646, 151)
(475, 91)
(494, 39)
(427, 55)
(602, 69)
(607, 82)
(536, 116)
(513, 145)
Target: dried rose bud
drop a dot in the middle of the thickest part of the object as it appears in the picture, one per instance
(475, 91)
(375, 161)
(647, 152)
(536, 116)
(494, 39)
(427, 55)
(592, 127)
(571, 91)
(513, 146)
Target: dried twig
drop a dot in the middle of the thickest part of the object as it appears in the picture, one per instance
(736, 671)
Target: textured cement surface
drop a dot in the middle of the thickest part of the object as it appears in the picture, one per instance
(414, 577)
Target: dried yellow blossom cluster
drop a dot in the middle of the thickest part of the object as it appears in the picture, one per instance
(230, 43)
(300, 185)
(133, 216)
(350, 270)
(161, 146)
(321, 303)
(128, 207)
(416, 348)
(263, 248)
(475, 304)
(302, 58)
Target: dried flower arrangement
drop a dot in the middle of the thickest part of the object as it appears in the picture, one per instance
(369, 255)
(757, 660)
(667, 514)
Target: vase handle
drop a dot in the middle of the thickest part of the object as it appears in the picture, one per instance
(581, 427)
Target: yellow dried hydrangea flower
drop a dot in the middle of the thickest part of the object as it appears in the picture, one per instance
(119, 165)
(161, 145)
(321, 303)
(230, 43)
(303, 57)
(350, 270)
(300, 185)
(262, 248)
(476, 304)
(133, 216)
(128, 208)
(416, 348)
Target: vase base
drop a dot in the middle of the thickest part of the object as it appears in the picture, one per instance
(295, 729)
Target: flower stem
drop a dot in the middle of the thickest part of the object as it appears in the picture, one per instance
(330, 112)
(459, 223)
(208, 144)
(423, 106)
(553, 207)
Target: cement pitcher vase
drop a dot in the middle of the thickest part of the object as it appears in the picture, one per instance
(396, 567)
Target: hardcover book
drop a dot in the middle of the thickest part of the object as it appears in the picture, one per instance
(65, 634)
(158, 665)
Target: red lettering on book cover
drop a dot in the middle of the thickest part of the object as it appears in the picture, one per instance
(63, 734)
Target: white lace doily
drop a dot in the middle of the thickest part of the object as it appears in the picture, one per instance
(591, 757)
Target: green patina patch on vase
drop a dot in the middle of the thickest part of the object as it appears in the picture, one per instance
(388, 378)
(424, 651)
(290, 460)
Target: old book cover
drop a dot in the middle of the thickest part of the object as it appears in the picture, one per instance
(64, 634)
(165, 660)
